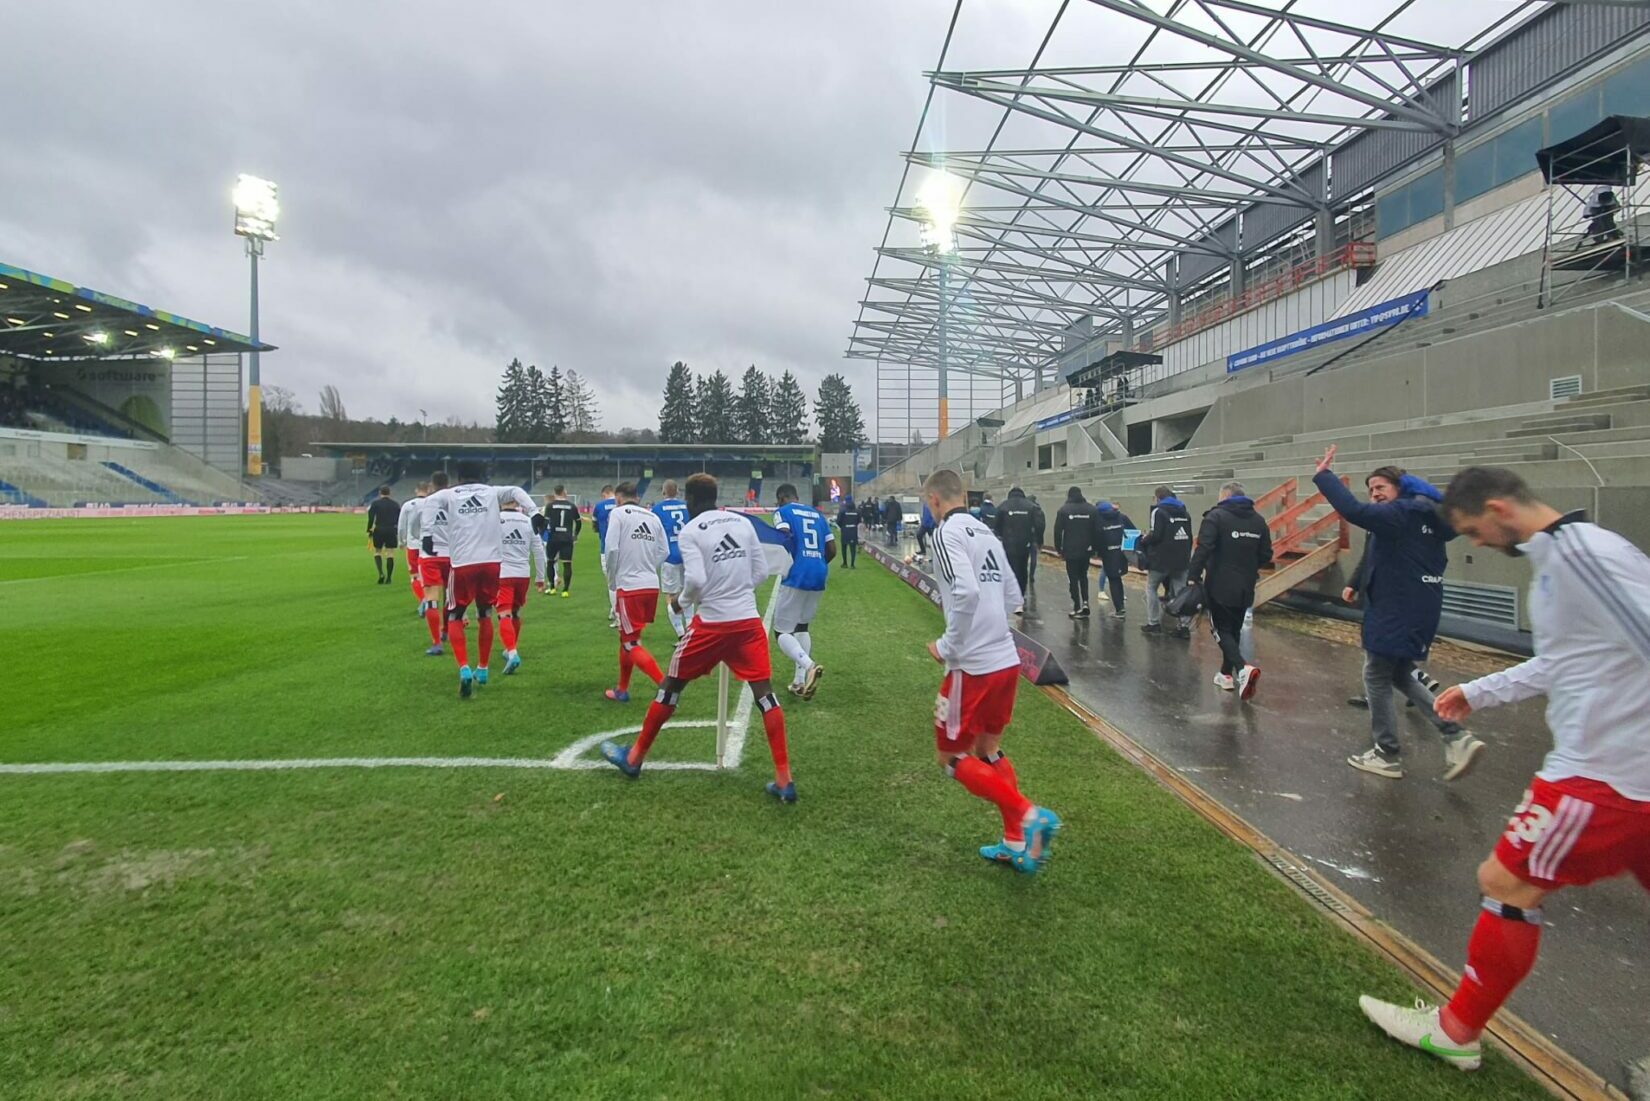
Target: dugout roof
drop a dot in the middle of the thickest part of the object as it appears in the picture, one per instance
(45, 318)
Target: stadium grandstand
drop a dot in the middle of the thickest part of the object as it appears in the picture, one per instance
(107, 401)
(1271, 232)
(354, 471)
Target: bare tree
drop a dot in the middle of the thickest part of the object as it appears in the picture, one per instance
(332, 404)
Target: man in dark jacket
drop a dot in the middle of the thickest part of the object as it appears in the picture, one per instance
(891, 519)
(988, 512)
(847, 522)
(1074, 541)
(1403, 598)
(1110, 530)
(1233, 546)
(1165, 551)
(1016, 526)
(1353, 594)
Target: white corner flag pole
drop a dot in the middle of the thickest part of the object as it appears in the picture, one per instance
(721, 714)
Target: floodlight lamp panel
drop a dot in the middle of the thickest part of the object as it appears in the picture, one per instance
(257, 208)
(938, 201)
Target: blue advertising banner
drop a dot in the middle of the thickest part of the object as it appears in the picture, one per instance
(1057, 420)
(1358, 324)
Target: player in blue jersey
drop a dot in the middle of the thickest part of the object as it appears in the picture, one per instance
(672, 512)
(599, 514)
(812, 545)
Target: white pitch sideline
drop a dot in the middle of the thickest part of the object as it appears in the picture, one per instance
(573, 758)
(567, 759)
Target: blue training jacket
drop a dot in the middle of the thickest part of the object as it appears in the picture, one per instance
(1404, 594)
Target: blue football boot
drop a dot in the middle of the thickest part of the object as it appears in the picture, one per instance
(481, 676)
(617, 696)
(999, 853)
(619, 757)
(512, 663)
(466, 682)
(786, 794)
(434, 651)
(1040, 831)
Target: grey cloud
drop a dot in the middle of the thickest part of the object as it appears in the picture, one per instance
(606, 187)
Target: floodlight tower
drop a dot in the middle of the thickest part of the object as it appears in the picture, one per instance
(256, 210)
(938, 202)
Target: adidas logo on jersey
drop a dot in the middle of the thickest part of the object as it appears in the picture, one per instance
(514, 536)
(990, 570)
(642, 533)
(470, 506)
(728, 548)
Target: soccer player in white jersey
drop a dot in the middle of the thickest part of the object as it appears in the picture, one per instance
(722, 564)
(982, 671)
(434, 563)
(812, 545)
(636, 547)
(408, 533)
(474, 537)
(1586, 814)
(521, 557)
(672, 512)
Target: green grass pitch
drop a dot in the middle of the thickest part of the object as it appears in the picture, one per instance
(489, 933)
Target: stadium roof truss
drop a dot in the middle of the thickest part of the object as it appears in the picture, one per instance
(44, 318)
(1105, 191)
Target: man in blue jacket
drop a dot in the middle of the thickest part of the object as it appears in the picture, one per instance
(1403, 598)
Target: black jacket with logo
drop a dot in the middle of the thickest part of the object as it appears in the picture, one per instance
(1111, 525)
(1167, 546)
(1233, 546)
(1017, 521)
(1074, 529)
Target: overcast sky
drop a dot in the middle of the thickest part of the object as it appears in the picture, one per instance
(607, 187)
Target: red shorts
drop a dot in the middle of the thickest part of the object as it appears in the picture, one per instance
(512, 593)
(971, 704)
(1572, 832)
(474, 584)
(742, 645)
(412, 558)
(636, 609)
(433, 570)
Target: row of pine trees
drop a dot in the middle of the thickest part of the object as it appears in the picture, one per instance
(764, 410)
(535, 407)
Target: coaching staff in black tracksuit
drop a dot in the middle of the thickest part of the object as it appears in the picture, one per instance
(1074, 540)
(1016, 524)
(1110, 527)
(1233, 546)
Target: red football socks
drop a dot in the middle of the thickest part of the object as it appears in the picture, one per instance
(999, 762)
(432, 617)
(486, 633)
(507, 626)
(461, 643)
(657, 715)
(626, 664)
(1501, 952)
(418, 588)
(644, 661)
(774, 723)
(987, 783)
